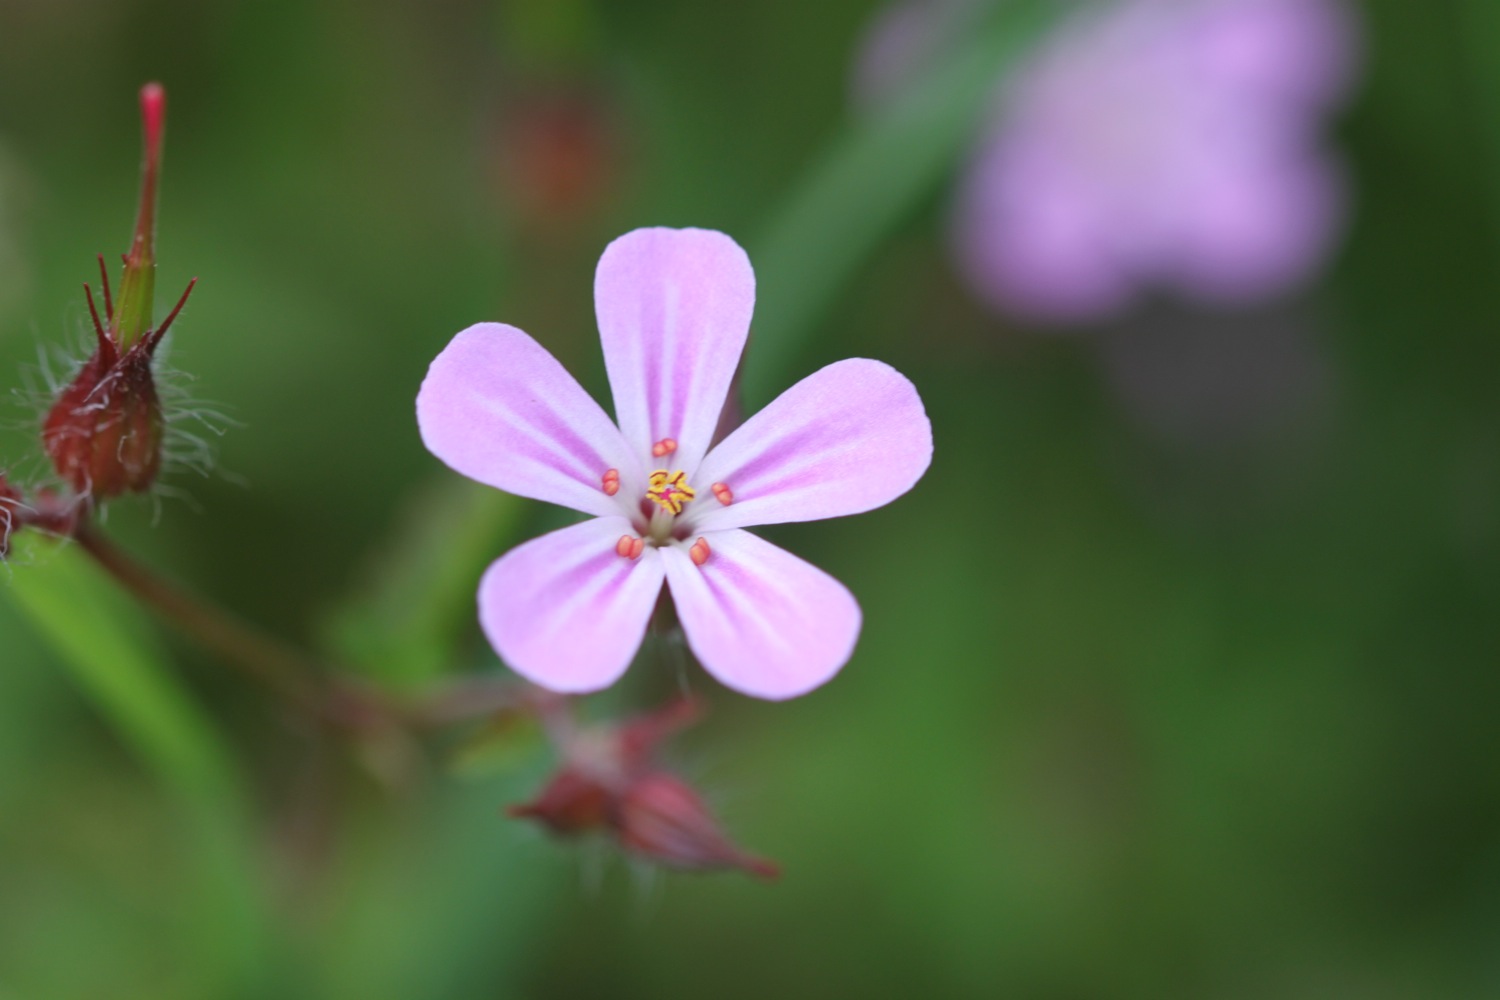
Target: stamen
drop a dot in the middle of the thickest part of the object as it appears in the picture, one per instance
(670, 490)
(700, 552)
(612, 482)
(663, 447)
(630, 546)
(723, 494)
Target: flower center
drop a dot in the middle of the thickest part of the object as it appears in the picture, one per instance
(670, 490)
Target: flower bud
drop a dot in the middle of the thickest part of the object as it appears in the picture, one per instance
(573, 802)
(661, 818)
(104, 432)
(610, 784)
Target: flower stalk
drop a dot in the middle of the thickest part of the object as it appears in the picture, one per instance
(284, 670)
(132, 320)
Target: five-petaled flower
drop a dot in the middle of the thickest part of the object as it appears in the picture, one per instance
(569, 610)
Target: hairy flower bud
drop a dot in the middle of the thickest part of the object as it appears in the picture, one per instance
(662, 819)
(610, 784)
(573, 802)
(104, 432)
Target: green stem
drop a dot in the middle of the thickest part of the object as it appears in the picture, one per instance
(300, 680)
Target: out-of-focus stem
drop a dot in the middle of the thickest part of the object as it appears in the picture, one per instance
(301, 680)
(290, 674)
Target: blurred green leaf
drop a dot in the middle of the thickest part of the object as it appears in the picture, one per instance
(449, 903)
(1482, 41)
(871, 178)
(406, 623)
(550, 34)
(118, 666)
(502, 744)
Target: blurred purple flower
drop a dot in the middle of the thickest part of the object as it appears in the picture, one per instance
(568, 610)
(1148, 143)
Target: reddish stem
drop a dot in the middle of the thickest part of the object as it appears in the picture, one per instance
(299, 679)
(286, 671)
(153, 115)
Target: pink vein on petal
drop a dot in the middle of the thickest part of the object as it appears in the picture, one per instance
(674, 309)
(565, 610)
(848, 438)
(497, 407)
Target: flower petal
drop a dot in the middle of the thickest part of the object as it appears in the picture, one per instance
(674, 309)
(761, 620)
(848, 438)
(1302, 52)
(565, 611)
(1254, 228)
(1034, 236)
(498, 408)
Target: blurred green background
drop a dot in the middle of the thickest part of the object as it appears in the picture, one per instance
(1179, 672)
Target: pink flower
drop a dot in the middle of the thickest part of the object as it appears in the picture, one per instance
(1161, 144)
(1147, 144)
(569, 610)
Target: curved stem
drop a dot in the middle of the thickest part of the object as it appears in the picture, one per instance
(292, 675)
(302, 681)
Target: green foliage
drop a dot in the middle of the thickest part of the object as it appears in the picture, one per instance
(116, 664)
(407, 624)
(119, 666)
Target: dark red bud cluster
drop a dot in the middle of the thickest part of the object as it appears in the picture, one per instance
(610, 783)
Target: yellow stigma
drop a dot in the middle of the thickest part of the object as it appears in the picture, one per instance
(670, 489)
